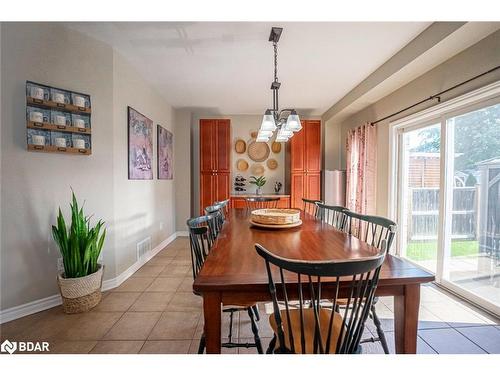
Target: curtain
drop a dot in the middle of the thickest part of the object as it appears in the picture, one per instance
(361, 158)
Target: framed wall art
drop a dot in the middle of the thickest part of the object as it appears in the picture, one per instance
(140, 146)
(165, 153)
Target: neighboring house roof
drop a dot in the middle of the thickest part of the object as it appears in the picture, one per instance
(489, 162)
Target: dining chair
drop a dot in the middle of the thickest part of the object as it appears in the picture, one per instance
(310, 206)
(308, 327)
(225, 207)
(255, 203)
(333, 215)
(201, 242)
(377, 231)
(216, 212)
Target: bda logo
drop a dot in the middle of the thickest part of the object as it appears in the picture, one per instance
(9, 347)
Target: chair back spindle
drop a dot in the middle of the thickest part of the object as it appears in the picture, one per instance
(256, 203)
(332, 215)
(310, 206)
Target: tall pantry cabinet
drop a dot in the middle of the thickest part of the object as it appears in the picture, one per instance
(215, 154)
(304, 163)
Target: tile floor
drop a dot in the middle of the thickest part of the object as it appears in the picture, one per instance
(155, 311)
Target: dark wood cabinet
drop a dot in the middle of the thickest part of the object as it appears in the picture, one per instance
(215, 163)
(304, 153)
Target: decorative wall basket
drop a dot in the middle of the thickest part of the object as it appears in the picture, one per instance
(257, 170)
(276, 147)
(254, 134)
(240, 146)
(241, 165)
(272, 164)
(258, 151)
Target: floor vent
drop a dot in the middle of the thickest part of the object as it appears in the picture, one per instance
(143, 247)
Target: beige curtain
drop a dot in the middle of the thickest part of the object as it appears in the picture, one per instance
(362, 169)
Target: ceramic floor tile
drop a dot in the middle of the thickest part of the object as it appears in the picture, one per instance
(166, 347)
(117, 301)
(159, 261)
(185, 301)
(71, 347)
(176, 270)
(133, 326)
(152, 301)
(245, 326)
(148, 271)
(264, 341)
(193, 349)
(117, 347)
(449, 341)
(181, 262)
(165, 284)
(427, 320)
(186, 285)
(175, 325)
(456, 315)
(135, 284)
(486, 337)
(91, 326)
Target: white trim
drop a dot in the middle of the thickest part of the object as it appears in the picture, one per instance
(29, 308)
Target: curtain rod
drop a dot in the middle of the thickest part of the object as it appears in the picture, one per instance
(436, 96)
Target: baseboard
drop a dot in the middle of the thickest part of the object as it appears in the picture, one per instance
(29, 308)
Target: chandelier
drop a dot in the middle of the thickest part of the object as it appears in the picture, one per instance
(285, 121)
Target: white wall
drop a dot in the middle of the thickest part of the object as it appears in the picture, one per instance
(467, 64)
(34, 185)
(143, 208)
(182, 168)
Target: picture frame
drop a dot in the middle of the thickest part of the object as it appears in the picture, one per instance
(140, 145)
(165, 148)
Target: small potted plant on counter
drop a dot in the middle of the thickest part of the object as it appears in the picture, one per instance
(259, 182)
(80, 246)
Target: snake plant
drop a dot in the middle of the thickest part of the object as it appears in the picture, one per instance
(258, 181)
(80, 244)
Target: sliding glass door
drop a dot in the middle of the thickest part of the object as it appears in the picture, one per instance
(446, 196)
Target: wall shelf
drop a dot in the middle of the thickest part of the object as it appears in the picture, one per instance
(50, 106)
(60, 150)
(59, 128)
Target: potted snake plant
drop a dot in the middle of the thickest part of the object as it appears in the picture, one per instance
(80, 245)
(259, 182)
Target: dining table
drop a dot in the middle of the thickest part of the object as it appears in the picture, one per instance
(234, 274)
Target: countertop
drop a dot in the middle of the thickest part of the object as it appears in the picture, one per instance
(247, 195)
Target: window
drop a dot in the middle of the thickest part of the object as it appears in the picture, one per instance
(446, 193)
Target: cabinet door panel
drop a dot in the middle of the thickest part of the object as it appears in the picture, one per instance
(297, 142)
(222, 187)
(207, 145)
(296, 190)
(313, 146)
(223, 146)
(313, 186)
(207, 190)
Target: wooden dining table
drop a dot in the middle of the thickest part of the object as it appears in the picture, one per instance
(234, 273)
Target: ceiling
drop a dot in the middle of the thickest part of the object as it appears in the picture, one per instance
(227, 68)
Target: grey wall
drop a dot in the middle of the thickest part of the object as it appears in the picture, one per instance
(182, 167)
(473, 61)
(34, 185)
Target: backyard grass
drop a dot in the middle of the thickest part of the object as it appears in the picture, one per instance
(428, 250)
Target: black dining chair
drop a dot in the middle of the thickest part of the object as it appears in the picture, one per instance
(377, 231)
(333, 215)
(225, 207)
(201, 242)
(255, 203)
(310, 206)
(216, 211)
(308, 327)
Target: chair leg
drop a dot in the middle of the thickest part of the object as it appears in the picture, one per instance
(201, 347)
(256, 312)
(255, 331)
(380, 331)
(229, 337)
(272, 345)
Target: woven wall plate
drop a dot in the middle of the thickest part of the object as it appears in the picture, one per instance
(258, 151)
(272, 164)
(240, 146)
(276, 147)
(241, 165)
(257, 169)
(254, 134)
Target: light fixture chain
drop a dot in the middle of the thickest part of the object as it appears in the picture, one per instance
(275, 61)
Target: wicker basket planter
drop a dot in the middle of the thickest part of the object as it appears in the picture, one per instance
(276, 216)
(82, 293)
